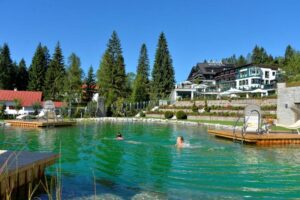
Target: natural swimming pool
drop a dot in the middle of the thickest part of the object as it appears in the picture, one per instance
(147, 165)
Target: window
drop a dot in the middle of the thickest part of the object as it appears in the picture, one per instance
(243, 74)
(266, 74)
(273, 73)
(267, 82)
(255, 81)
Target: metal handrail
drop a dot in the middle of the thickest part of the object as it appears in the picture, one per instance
(234, 128)
(244, 127)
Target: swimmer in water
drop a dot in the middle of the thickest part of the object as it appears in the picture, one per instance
(119, 136)
(180, 142)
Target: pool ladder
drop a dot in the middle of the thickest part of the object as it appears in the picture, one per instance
(243, 131)
(244, 127)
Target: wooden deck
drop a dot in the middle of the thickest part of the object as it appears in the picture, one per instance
(18, 168)
(39, 123)
(274, 138)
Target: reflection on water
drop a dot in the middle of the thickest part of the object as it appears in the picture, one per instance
(147, 165)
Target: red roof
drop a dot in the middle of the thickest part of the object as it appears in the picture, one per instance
(92, 86)
(27, 98)
(58, 104)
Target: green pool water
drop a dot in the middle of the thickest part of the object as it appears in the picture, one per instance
(146, 165)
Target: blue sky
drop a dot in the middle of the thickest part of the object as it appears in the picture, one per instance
(195, 29)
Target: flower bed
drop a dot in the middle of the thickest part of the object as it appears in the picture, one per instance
(219, 114)
(217, 107)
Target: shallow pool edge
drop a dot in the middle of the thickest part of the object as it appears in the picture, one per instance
(153, 120)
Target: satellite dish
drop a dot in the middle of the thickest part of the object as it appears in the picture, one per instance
(48, 105)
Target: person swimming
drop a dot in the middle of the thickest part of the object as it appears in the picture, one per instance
(119, 136)
(180, 142)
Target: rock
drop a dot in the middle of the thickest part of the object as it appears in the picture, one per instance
(148, 196)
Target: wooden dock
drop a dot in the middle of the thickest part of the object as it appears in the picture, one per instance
(39, 123)
(19, 168)
(273, 138)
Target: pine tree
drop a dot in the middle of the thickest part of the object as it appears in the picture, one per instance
(22, 76)
(89, 88)
(259, 55)
(292, 68)
(37, 70)
(231, 60)
(289, 52)
(111, 74)
(241, 61)
(7, 79)
(13, 71)
(141, 87)
(73, 80)
(163, 73)
(130, 77)
(54, 81)
(47, 56)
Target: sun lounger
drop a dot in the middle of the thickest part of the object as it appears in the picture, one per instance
(22, 116)
(295, 126)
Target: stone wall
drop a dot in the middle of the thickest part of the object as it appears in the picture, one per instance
(288, 99)
(151, 120)
(190, 117)
(217, 111)
(235, 102)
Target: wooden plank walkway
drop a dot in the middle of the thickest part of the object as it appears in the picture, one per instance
(18, 168)
(259, 139)
(39, 123)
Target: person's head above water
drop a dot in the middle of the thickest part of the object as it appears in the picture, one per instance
(119, 136)
(180, 141)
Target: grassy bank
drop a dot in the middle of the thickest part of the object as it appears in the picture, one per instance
(228, 123)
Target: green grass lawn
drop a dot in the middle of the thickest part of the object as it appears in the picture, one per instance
(278, 128)
(232, 123)
(228, 123)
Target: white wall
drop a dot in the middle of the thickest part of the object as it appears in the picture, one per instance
(272, 76)
(23, 110)
(266, 80)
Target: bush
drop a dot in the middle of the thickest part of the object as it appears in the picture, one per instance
(131, 113)
(206, 107)
(2, 110)
(194, 108)
(181, 115)
(79, 112)
(169, 114)
(142, 114)
(91, 109)
(269, 107)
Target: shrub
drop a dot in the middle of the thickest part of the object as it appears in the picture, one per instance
(2, 110)
(194, 108)
(206, 107)
(181, 115)
(91, 109)
(169, 114)
(131, 113)
(36, 107)
(269, 107)
(142, 114)
(78, 112)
